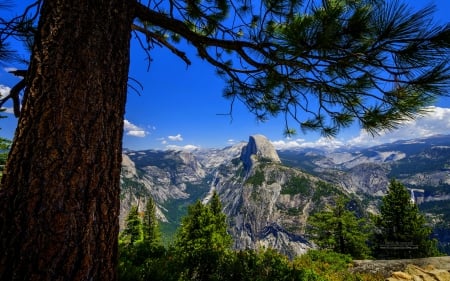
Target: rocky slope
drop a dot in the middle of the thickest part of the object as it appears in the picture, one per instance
(435, 269)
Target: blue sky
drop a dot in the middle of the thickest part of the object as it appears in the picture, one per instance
(182, 107)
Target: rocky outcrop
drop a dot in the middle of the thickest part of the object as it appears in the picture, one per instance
(258, 148)
(413, 273)
(435, 268)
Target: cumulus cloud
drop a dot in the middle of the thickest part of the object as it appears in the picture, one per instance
(133, 130)
(4, 91)
(188, 147)
(175, 138)
(301, 143)
(436, 121)
(9, 69)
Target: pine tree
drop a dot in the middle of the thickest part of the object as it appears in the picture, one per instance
(150, 226)
(140, 246)
(133, 227)
(402, 231)
(202, 243)
(338, 229)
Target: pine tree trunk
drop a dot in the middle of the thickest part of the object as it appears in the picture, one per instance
(59, 198)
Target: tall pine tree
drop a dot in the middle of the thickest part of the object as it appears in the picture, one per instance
(402, 231)
(150, 226)
(338, 229)
(202, 243)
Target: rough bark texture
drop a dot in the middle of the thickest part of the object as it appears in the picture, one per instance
(59, 199)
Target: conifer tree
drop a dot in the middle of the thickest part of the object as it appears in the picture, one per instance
(150, 226)
(338, 229)
(202, 243)
(133, 227)
(402, 231)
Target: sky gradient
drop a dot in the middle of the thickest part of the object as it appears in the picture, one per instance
(183, 107)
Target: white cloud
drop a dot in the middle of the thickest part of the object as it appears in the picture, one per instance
(9, 69)
(175, 138)
(133, 130)
(301, 143)
(4, 91)
(437, 121)
(188, 147)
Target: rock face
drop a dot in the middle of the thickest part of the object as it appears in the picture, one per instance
(436, 268)
(166, 176)
(258, 147)
(267, 204)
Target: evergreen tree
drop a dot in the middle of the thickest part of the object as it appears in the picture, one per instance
(5, 144)
(202, 243)
(141, 253)
(402, 231)
(322, 64)
(150, 226)
(338, 229)
(133, 227)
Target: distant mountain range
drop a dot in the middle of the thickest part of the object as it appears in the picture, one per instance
(268, 195)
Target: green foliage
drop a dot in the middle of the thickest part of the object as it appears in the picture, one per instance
(141, 253)
(256, 179)
(339, 230)
(267, 265)
(324, 189)
(5, 145)
(297, 185)
(402, 231)
(332, 266)
(133, 227)
(150, 227)
(202, 244)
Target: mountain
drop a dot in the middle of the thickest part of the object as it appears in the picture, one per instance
(422, 165)
(267, 195)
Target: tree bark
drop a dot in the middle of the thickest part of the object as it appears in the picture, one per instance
(59, 198)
